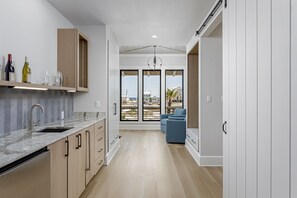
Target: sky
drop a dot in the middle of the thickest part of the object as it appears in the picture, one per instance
(151, 84)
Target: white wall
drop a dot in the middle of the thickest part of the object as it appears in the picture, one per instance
(293, 99)
(97, 71)
(210, 85)
(29, 28)
(139, 62)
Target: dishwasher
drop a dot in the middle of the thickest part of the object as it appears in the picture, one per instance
(28, 177)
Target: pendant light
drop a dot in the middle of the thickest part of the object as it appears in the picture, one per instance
(154, 62)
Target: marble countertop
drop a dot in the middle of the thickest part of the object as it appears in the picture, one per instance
(18, 144)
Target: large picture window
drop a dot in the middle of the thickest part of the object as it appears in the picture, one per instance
(129, 95)
(174, 90)
(151, 95)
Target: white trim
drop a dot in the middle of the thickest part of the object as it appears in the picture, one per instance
(217, 18)
(193, 152)
(204, 160)
(112, 152)
(140, 126)
(149, 55)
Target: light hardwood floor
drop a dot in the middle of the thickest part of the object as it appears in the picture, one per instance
(147, 167)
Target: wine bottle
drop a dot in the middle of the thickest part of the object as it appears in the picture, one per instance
(26, 73)
(9, 70)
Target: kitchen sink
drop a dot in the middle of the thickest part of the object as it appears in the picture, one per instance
(54, 129)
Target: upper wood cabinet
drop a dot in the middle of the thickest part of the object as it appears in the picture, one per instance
(73, 58)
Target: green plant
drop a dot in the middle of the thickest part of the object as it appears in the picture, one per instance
(170, 95)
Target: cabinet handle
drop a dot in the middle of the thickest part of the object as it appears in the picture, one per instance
(89, 150)
(223, 127)
(77, 137)
(100, 150)
(115, 108)
(112, 142)
(67, 148)
(100, 162)
(100, 139)
(193, 141)
(188, 136)
(100, 127)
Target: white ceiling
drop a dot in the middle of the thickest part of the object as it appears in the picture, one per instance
(133, 22)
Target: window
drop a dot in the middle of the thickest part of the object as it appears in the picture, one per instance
(174, 90)
(129, 95)
(151, 95)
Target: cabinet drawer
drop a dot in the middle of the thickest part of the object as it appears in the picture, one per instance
(193, 139)
(99, 128)
(99, 151)
(99, 163)
(99, 139)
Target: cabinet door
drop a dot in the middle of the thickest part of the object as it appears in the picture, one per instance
(58, 155)
(73, 175)
(113, 125)
(81, 162)
(90, 155)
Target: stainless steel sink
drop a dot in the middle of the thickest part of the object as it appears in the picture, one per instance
(54, 129)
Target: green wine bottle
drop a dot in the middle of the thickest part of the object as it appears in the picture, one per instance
(26, 73)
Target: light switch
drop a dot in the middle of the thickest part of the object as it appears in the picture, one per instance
(62, 115)
(208, 99)
(97, 104)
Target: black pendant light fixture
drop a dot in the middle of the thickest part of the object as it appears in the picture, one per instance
(154, 62)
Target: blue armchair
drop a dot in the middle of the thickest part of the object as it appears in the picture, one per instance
(174, 126)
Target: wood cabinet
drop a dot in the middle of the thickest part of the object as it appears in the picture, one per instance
(58, 162)
(99, 146)
(76, 164)
(193, 88)
(75, 160)
(73, 58)
(90, 153)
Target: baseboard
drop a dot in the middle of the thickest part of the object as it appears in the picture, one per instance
(204, 160)
(193, 152)
(140, 127)
(112, 152)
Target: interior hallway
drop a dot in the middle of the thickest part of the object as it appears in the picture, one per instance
(147, 167)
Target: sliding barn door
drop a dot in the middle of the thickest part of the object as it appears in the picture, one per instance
(260, 98)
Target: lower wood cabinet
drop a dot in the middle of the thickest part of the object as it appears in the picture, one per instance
(99, 146)
(76, 164)
(90, 156)
(75, 160)
(58, 162)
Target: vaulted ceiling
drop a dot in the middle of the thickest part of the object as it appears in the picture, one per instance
(133, 22)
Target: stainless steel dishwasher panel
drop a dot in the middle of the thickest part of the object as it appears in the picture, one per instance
(28, 179)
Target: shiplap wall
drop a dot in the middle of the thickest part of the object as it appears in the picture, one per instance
(260, 98)
(15, 106)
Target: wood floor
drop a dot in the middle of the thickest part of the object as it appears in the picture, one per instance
(147, 167)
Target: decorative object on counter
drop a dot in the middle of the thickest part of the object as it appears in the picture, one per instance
(9, 70)
(26, 72)
(44, 78)
(58, 79)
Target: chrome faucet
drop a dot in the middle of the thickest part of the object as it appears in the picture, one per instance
(31, 122)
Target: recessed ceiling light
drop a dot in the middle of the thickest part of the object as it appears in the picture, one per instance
(155, 36)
